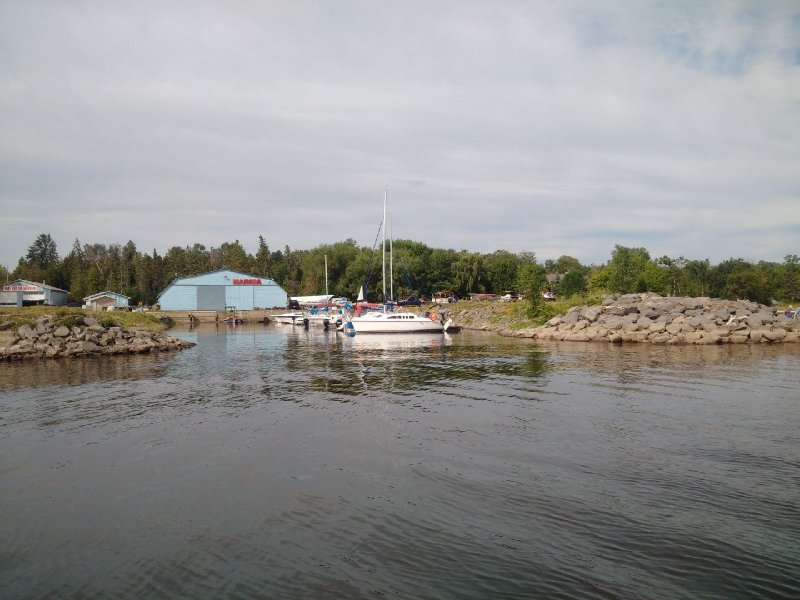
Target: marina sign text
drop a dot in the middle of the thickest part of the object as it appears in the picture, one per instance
(246, 282)
(19, 288)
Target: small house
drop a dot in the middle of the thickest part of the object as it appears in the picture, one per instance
(106, 301)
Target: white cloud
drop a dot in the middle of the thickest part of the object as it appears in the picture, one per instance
(561, 128)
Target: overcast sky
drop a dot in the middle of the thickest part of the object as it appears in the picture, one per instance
(552, 127)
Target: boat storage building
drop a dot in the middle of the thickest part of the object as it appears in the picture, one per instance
(106, 301)
(219, 290)
(27, 293)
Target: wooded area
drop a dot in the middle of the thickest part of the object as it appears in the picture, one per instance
(418, 269)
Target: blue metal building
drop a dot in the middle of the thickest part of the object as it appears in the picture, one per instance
(222, 289)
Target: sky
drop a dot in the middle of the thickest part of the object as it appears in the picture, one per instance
(551, 127)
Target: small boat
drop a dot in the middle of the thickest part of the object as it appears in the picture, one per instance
(326, 317)
(292, 318)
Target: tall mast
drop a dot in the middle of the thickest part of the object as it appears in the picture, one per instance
(391, 263)
(326, 274)
(383, 245)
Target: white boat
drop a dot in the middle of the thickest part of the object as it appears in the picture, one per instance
(312, 300)
(293, 318)
(389, 321)
(397, 322)
(325, 318)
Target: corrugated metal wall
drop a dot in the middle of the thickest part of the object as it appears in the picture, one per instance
(215, 291)
(179, 297)
(269, 296)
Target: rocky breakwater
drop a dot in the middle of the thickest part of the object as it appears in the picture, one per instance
(658, 320)
(47, 338)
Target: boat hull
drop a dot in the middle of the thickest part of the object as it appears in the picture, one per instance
(291, 319)
(395, 323)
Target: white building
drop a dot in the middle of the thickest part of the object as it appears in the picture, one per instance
(22, 292)
(106, 301)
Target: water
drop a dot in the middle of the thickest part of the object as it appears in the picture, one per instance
(277, 462)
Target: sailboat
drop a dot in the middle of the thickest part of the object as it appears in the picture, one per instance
(393, 321)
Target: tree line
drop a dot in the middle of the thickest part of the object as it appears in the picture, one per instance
(417, 269)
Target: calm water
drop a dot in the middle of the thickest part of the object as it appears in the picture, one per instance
(275, 462)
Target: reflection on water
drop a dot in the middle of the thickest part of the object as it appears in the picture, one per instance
(281, 462)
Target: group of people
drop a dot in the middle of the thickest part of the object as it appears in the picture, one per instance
(792, 314)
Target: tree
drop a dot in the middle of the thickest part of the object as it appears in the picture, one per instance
(501, 271)
(467, 271)
(627, 265)
(43, 252)
(262, 263)
(531, 282)
(697, 278)
(600, 280)
(790, 282)
(574, 282)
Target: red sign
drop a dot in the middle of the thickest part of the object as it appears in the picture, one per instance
(246, 282)
(20, 288)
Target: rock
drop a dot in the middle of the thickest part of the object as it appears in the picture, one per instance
(659, 338)
(571, 317)
(26, 333)
(43, 340)
(775, 335)
(590, 313)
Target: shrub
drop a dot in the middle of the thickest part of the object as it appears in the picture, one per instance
(108, 321)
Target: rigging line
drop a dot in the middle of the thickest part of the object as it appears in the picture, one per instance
(368, 274)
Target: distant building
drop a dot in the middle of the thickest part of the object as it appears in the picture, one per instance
(222, 289)
(22, 292)
(106, 300)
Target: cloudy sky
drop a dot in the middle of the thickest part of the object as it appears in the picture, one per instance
(553, 127)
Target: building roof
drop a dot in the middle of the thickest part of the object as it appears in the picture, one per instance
(101, 294)
(36, 283)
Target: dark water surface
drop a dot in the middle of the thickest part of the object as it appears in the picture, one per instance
(276, 462)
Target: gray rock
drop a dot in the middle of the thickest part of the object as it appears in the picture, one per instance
(61, 332)
(590, 313)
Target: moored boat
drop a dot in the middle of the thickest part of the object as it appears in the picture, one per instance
(292, 318)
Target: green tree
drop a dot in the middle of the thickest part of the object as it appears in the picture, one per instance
(600, 280)
(501, 271)
(790, 280)
(747, 283)
(574, 282)
(262, 262)
(698, 278)
(235, 257)
(531, 282)
(467, 273)
(627, 266)
(43, 252)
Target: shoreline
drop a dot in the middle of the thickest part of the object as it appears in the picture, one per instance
(641, 318)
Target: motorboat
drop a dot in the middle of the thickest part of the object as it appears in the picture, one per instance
(291, 318)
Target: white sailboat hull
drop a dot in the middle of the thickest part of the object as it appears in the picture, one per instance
(394, 323)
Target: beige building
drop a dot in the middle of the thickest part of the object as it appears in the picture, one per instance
(106, 301)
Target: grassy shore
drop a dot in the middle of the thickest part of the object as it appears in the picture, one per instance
(510, 316)
(13, 317)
